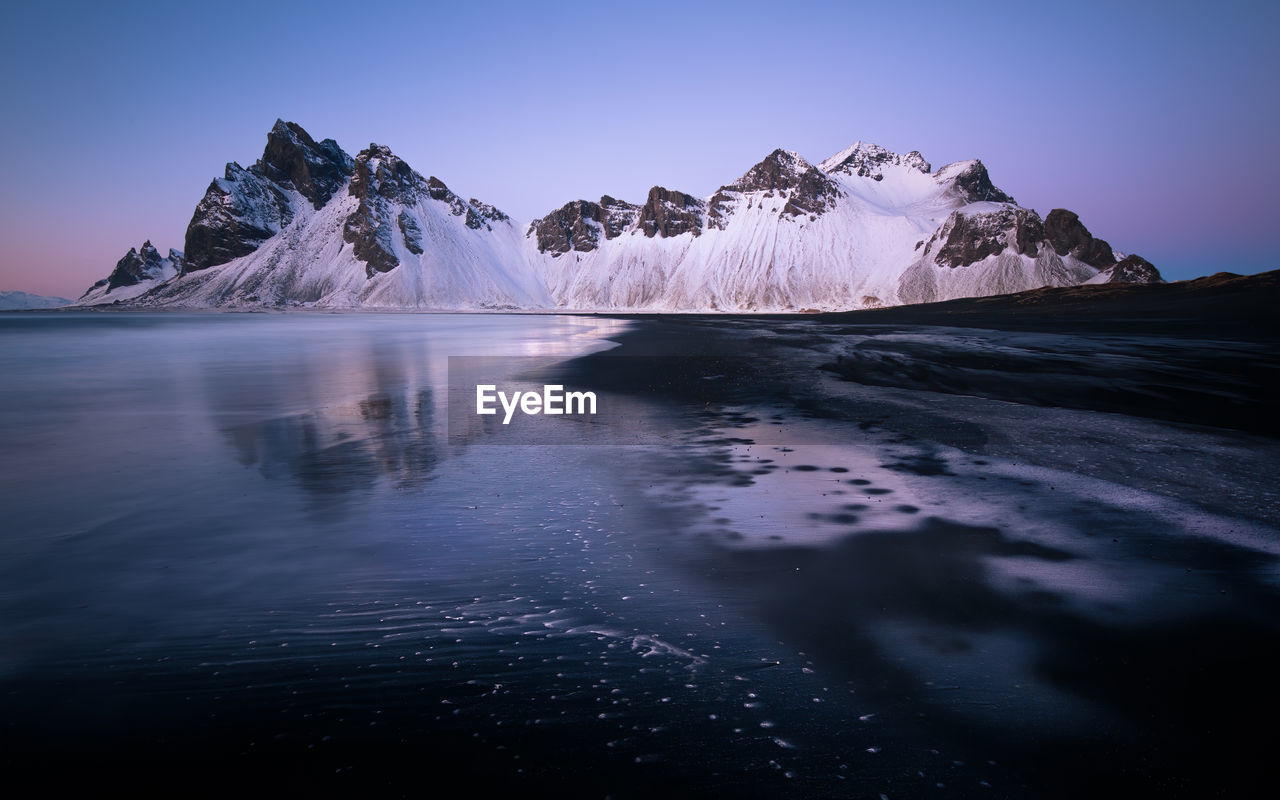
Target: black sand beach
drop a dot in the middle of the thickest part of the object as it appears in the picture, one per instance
(1165, 394)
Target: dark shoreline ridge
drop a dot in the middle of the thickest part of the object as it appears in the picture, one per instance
(1218, 385)
(1224, 304)
(1163, 390)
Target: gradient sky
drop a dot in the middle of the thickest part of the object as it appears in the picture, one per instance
(1156, 122)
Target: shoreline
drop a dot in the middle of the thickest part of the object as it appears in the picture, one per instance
(1223, 304)
(1156, 684)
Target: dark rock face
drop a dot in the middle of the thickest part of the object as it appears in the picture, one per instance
(293, 159)
(1132, 269)
(482, 214)
(248, 206)
(974, 185)
(438, 191)
(135, 267)
(965, 239)
(384, 182)
(670, 213)
(411, 231)
(720, 209)
(618, 216)
(139, 265)
(577, 225)
(381, 179)
(1068, 236)
(807, 189)
(478, 215)
(574, 226)
(868, 161)
(380, 173)
(236, 215)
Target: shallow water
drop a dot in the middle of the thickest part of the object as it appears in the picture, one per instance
(250, 538)
(238, 533)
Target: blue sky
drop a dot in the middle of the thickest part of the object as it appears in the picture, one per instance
(1155, 122)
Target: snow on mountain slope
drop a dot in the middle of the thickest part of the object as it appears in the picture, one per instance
(311, 264)
(308, 225)
(382, 237)
(789, 236)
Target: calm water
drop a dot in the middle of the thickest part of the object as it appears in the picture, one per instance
(248, 540)
(238, 534)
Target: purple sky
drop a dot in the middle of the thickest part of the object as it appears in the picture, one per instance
(1156, 122)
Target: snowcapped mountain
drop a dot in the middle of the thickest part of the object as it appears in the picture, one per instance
(137, 272)
(308, 225)
(22, 301)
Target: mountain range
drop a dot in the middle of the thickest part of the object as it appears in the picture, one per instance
(308, 225)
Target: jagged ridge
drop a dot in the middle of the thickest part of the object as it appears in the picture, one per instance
(309, 225)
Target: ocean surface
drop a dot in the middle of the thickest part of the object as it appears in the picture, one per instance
(245, 545)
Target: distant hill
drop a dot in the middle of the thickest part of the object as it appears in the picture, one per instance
(18, 301)
(1224, 302)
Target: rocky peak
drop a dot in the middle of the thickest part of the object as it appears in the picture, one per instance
(437, 190)
(1130, 269)
(1068, 236)
(778, 170)
(293, 159)
(618, 216)
(806, 188)
(478, 215)
(128, 270)
(142, 264)
(971, 183)
(380, 173)
(248, 206)
(966, 238)
(574, 226)
(237, 214)
(867, 160)
(380, 179)
(577, 225)
(488, 211)
(669, 213)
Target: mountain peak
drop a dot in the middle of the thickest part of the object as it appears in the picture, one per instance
(781, 169)
(867, 160)
(1068, 236)
(806, 189)
(668, 213)
(1131, 269)
(293, 159)
(379, 171)
(972, 183)
(139, 265)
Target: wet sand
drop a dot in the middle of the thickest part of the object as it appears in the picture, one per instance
(1052, 544)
